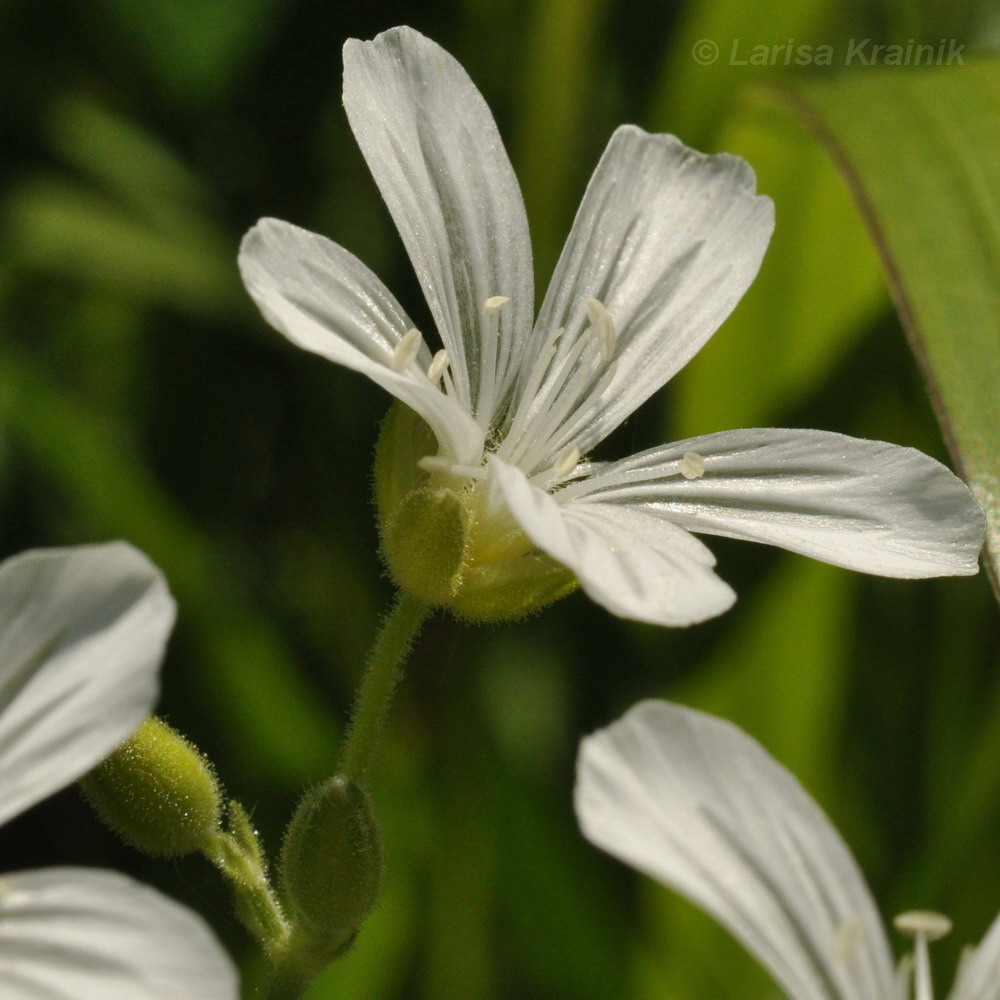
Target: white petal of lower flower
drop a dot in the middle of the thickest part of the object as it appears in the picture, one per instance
(867, 505)
(78, 934)
(82, 634)
(667, 239)
(637, 565)
(325, 300)
(432, 145)
(979, 974)
(697, 804)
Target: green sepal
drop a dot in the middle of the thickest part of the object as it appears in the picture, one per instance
(404, 439)
(332, 861)
(157, 792)
(505, 591)
(424, 544)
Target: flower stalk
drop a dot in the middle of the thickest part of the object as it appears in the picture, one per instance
(382, 672)
(238, 856)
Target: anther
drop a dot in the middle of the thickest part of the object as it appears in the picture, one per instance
(849, 938)
(434, 463)
(494, 304)
(691, 465)
(603, 325)
(923, 923)
(406, 351)
(438, 365)
(567, 461)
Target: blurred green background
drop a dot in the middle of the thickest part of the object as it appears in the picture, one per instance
(141, 396)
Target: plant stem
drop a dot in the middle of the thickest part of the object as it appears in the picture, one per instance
(382, 672)
(284, 985)
(256, 904)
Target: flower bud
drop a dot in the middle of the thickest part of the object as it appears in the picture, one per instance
(331, 860)
(157, 792)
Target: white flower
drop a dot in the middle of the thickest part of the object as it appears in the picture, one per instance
(697, 804)
(82, 633)
(664, 244)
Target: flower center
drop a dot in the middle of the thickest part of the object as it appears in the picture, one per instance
(924, 926)
(562, 389)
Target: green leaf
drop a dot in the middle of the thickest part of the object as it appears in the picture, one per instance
(818, 289)
(921, 152)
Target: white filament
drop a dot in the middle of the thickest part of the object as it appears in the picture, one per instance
(563, 387)
(489, 362)
(441, 465)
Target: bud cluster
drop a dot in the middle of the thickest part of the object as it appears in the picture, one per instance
(161, 795)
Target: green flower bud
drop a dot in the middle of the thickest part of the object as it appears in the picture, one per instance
(157, 792)
(331, 860)
(445, 542)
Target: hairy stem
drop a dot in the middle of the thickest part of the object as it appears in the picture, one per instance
(382, 673)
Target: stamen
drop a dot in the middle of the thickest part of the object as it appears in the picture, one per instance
(925, 926)
(572, 427)
(434, 463)
(603, 325)
(691, 465)
(489, 361)
(567, 461)
(554, 400)
(438, 365)
(530, 390)
(439, 464)
(406, 351)
(904, 976)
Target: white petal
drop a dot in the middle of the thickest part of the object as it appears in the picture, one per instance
(866, 505)
(635, 564)
(979, 975)
(668, 240)
(434, 150)
(78, 934)
(697, 804)
(82, 634)
(326, 301)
